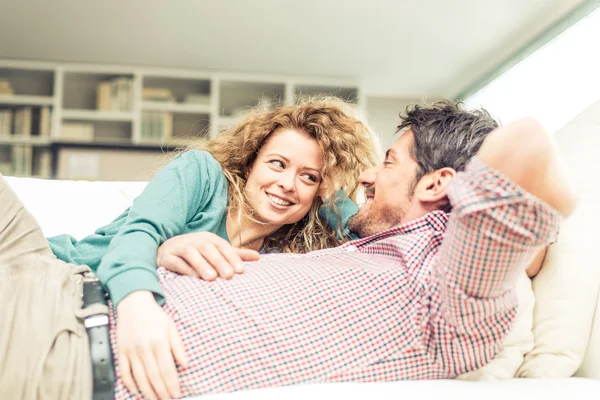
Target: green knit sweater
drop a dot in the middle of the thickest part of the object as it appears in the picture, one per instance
(188, 195)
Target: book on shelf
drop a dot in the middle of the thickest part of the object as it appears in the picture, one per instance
(40, 121)
(166, 96)
(6, 168)
(25, 161)
(22, 122)
(194, 98)
(26, 121)
(42, 164)
(156, 126)
(158, 94)
(6, 88)
(115, 95)
(45, 121)
(6, 122)
(21, 160)
(77, 131)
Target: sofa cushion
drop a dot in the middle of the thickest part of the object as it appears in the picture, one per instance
(566, 289)
(76, 208)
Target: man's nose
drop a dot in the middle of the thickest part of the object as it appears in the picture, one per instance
(367, 178)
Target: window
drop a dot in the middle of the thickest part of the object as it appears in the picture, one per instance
(553, 84)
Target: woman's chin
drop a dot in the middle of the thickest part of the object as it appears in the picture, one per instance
(275, 221)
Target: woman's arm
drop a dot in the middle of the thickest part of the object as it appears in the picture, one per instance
(178, 192)
(148, 342)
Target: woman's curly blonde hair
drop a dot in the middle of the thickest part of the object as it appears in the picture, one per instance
(349, 147)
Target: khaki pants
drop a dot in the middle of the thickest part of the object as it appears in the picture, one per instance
(44, 350)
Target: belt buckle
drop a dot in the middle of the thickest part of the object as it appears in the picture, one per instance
(95, 320)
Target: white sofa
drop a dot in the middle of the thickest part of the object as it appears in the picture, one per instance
(569, 285)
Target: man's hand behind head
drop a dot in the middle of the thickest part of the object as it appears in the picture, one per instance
(526, 154)
(536, 265)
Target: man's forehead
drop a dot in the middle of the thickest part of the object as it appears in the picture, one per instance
(402, 145)
(403, 130)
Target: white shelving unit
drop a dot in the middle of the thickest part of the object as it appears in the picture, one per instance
(93, 115)
(176, 107)
(70, 91)
(25, 100)
(21, 140)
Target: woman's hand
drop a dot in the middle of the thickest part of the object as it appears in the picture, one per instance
(147, 344)
(204, 255)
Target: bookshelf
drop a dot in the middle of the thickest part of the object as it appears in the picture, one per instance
(51, 110)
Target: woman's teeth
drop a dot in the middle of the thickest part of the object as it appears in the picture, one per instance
(279, 201)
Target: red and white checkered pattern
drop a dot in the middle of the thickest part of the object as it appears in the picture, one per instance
(429, 299)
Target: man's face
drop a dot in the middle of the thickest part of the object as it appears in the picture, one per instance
(389, 190)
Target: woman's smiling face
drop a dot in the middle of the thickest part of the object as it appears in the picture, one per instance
(285, 178)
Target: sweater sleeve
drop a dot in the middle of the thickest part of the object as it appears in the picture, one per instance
(161, 211)
(346, 209)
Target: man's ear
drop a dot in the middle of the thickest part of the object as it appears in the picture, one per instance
(433, 187)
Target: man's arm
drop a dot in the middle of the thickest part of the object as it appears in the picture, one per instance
(506, 208)
(525, 153)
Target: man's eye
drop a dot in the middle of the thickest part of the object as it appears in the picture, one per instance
(277, 163)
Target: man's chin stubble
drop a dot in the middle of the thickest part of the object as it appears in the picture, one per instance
(366, 224)
(362, 225)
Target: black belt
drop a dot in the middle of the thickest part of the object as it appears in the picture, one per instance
(97, 327)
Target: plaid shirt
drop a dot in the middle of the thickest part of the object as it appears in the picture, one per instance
(429, 299)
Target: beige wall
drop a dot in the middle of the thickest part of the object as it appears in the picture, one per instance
(382, 115)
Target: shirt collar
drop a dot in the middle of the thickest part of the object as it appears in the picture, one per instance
(434, 220)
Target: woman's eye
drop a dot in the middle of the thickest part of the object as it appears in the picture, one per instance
(277, 163)
(312, 178)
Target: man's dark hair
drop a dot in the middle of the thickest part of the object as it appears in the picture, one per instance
(446, 135)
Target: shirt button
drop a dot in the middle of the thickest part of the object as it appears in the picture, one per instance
(351, 248)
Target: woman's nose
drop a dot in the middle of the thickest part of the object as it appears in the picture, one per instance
(287, 181)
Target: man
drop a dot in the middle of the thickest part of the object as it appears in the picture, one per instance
(423, 294)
